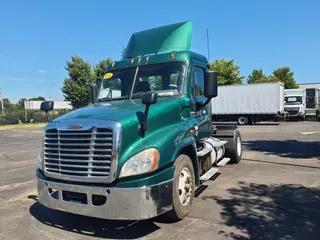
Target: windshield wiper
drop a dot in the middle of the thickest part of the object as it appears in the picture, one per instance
(140, 94)
(104, 99)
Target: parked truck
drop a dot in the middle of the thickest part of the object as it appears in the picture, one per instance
(143, 151)
(295, 103)
(249, 103)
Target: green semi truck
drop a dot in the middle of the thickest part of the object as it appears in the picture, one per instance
(146, 143)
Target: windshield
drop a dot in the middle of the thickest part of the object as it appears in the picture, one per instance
(164, 78)
(293, 100)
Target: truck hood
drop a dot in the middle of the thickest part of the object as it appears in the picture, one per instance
(125, 111)
(115, 110)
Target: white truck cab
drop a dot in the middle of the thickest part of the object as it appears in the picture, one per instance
(295, 103)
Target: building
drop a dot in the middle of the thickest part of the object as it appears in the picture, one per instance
(35, 105)
(312, 95)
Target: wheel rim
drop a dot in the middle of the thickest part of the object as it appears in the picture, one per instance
(239, 147)
(242, 120)
(185, 186)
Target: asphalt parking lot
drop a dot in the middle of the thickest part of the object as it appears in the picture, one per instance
(274, 193)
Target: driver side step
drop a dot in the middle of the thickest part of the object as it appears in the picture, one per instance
(223, 162)
(209, 174)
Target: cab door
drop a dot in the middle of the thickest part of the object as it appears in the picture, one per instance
(202, 116)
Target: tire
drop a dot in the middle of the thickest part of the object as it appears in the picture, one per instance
(234, 148)
(243, 120)
(180, 211)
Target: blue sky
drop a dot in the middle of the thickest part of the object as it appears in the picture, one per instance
(37, 37)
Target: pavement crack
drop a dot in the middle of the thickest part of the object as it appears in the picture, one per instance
(7, 157)
(10, 186)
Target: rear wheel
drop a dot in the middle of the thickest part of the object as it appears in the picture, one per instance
(234, 148)
(243, 120)
(183, 188)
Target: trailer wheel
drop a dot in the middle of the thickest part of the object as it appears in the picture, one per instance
(243, 120)
(234, 148)
(183, 188)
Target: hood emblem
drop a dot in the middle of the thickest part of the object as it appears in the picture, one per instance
(74, 126)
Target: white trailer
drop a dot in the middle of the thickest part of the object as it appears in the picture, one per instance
(249, 103)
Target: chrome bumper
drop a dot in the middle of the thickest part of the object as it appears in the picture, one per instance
(121, 203)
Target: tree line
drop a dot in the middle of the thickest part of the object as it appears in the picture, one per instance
(9, 107)
(81, 75)
(14, 113)
(229, 74)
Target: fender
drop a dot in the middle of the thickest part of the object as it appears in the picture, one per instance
(188, 147)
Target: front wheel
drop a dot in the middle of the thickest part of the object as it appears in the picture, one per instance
(183, 188)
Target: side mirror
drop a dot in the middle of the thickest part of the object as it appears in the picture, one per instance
(211, 84)
(149, 98)
(146, 99)
(46, 107)
(94, 93)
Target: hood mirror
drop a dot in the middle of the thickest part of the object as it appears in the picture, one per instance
(146, 99)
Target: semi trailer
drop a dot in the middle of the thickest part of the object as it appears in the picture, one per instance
(146, 142)
(249, 103)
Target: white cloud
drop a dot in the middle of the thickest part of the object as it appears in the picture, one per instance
(41, 71)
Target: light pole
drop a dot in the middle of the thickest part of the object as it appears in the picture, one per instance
(1, 99)
(53, 88)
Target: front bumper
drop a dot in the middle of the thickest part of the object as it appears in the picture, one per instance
(121, 203)
(294, 113)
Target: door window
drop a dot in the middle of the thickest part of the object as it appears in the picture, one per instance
(197, 87)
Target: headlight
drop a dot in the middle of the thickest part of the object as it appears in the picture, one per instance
(40, 160)
(143, 162)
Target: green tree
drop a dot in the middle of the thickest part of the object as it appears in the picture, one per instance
(100, 69)
(8, 106)
(228, 72)
(39, 98)
(76, 88)
(285, 75)
(257, 76)
(20, 103)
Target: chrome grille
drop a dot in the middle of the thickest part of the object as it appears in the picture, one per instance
(78, 153)
(292, 111)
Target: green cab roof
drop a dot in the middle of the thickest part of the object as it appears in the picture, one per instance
(183, 56)
(174, 37)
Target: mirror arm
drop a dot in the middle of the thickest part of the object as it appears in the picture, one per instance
(48, 116)
(146, 112)
(206, 102)
(201, 105)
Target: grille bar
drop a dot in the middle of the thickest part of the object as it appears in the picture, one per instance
(79, 153)
(76, 166)
(79, 161)
(76, 150)
(82, 144)
(79, 139)
(72, 172)
(75, 155)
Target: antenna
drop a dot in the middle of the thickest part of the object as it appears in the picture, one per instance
(208, 45)
(1, 99)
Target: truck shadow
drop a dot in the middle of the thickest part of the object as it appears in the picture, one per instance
(288, 148)
(271, 211)
(93, 227)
